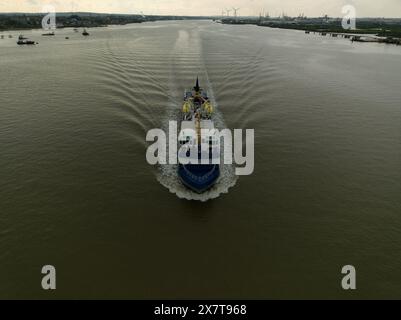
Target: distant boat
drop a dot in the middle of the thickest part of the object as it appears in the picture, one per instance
(10, 36)
(2, 37)
(85, 33)
(67, 38)
(76, 30)
(26, 42)
(49, 34)
(21, 37)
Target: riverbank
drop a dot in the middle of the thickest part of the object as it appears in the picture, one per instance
(26, 21)
(368, 29)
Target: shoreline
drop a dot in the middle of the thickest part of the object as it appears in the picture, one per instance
(370, 30)
(22, 21)
(84, 27)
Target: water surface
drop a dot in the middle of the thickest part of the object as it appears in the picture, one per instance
(77, 193)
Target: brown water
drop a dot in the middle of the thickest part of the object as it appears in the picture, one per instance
(77, 192)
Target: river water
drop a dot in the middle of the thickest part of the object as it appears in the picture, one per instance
(77, 193)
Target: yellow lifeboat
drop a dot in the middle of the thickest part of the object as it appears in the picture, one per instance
(186, 108)
(208, 107)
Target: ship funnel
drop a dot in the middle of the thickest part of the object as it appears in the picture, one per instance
(197, 88)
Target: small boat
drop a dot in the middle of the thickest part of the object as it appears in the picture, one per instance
(76, 30)
(67, 38)
(26, 42)
(21, 37)
(10, 36)
(49, 34)
(2, 37)
(199, 176)
(85, 33)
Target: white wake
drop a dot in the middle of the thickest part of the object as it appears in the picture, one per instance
(188, 49)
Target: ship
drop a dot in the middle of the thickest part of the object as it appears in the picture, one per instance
(26, 42)
(197, 114)
(22, 40)
(85, 33)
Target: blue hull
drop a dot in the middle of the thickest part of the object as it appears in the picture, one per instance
(199, 178)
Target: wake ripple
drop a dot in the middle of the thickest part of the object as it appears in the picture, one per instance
(186, 64)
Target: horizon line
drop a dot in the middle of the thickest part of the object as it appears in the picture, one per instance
(175, 15)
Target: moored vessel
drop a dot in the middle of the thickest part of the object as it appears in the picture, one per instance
(26, 42)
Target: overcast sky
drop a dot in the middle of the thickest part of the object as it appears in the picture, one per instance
(371, 8)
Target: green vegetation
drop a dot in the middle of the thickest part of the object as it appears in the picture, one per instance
(16, 21)
(379, 27)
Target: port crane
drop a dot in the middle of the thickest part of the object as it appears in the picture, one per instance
(235, 12)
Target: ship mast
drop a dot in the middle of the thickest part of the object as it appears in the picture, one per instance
(197, 88)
